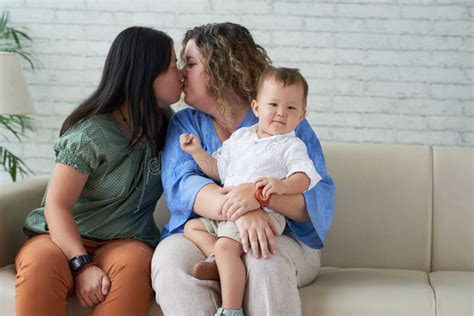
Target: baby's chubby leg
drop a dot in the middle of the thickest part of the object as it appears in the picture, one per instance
(195, 231)
(231, 271)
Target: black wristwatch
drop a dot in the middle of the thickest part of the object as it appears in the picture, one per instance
(77, 263)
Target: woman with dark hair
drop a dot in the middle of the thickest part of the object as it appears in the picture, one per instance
(222, 65)
(94, 232)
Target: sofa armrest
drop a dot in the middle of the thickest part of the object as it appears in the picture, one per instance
(17, 200)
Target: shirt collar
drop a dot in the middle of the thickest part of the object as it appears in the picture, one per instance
(252, 130)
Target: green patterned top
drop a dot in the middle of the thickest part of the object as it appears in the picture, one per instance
(119, 197)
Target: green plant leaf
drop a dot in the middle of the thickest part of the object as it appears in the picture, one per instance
(13, 40)
(3, 22)
(24, 35)
(13, 164)
(17, 125)
(27, 56)
(15, 37)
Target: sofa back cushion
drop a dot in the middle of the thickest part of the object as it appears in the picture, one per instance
(162, 213)
(383, 206)
(453, 209)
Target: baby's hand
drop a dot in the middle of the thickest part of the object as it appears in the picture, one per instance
(189, 143)
(271, 186)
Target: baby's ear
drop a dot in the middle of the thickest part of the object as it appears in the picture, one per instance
(303, 115)
(255, 106)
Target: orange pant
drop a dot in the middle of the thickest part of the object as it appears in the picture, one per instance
(44, 281)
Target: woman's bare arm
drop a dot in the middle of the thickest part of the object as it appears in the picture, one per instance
(291, 206)
(241, 200)
(64, 189)
(209, 201)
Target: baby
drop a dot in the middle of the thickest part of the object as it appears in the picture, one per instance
(267, 154)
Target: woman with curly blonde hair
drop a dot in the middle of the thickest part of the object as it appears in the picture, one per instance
(222, 65)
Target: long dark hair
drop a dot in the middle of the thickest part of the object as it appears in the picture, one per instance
(137, 56)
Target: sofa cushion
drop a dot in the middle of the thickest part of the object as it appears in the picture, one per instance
(7, 297)
(369, 292)
(454, 291)
(383, 206)
(7, 290)
(453, 209)
(162, 213)
(335, 292)
(17, 200)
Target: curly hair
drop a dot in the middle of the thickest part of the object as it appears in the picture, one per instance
(233, 61)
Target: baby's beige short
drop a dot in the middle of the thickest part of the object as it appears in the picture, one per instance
(229, 229)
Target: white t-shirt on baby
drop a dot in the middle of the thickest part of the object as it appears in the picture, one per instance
(245, 157)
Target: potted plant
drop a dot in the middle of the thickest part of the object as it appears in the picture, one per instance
(14, 40)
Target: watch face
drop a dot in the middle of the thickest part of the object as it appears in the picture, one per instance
(74, 264)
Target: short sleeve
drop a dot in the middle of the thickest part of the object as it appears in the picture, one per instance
(297, 160)
(76, 148)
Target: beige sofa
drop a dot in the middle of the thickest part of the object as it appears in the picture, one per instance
(401, 242)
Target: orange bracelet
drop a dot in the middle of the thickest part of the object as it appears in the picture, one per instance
(260, 199)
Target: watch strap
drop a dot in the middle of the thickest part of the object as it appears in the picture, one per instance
(77, 263)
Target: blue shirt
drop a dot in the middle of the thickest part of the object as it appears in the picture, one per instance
(182, 179)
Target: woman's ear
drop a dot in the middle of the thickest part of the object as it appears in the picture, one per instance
(255, 105)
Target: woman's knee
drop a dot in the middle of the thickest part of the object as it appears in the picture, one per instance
(40, 260)
(166, 260)
(266, 269)
(173, 261)
(130, 258)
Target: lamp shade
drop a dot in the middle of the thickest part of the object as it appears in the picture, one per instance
(14, 96)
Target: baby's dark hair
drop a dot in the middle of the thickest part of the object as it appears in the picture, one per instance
(287, 76)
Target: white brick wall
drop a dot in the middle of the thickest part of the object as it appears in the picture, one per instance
(385, 71)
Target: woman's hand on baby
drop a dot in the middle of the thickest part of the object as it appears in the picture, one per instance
(190, 143)
(270, 186)
(257, 232)
(92, 285)
(239, 200)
